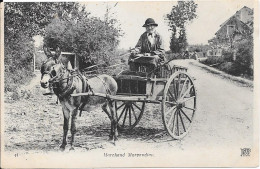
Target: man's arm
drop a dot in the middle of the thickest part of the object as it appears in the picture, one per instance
(138, 46)
(161, 45)
(160, 48)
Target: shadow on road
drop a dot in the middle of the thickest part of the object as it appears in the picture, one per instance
(92, 137)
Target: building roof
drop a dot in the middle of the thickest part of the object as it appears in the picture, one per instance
(235, 15)
(238, 22)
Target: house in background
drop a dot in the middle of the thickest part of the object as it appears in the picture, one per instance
(233, 29)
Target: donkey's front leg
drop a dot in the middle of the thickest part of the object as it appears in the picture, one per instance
(73, 127)
(66, 115)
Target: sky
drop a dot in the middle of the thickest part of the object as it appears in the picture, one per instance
(132, 15)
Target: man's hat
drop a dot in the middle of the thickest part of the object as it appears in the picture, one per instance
(150, 21)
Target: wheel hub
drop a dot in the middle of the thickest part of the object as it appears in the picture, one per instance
(180, 105)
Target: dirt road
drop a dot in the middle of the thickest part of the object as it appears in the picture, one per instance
(224, 118)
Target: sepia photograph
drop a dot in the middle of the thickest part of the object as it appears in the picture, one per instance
(101, 84)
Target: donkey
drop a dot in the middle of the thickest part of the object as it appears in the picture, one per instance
(64, 83)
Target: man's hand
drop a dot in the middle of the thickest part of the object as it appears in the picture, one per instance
(156, 52)
(134, 51)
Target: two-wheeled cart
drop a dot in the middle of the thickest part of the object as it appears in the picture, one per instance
(148, 81)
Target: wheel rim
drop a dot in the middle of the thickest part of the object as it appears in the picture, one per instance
(179, 105)
(128, 114)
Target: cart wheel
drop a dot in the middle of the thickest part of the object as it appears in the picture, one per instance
(178, 105)
(128, 114)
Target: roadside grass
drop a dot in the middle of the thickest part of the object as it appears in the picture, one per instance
(240, 80)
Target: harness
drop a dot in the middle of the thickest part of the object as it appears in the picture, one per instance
(84, 99)
(57, 81)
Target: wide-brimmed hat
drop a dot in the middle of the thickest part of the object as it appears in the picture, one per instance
(150, 21)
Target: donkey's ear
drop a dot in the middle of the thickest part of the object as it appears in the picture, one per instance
(47, 51)
(57, 52)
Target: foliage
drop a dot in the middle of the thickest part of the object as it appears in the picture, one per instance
(22, 22)
(244, 59)
(181, 14)
(31, 17)
(228, 55)
(88, 37)
(18, 61)
(213, 60)
(174, 44)
(241, 66)
(199, 48)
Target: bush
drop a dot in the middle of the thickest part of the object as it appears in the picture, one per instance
(227, 67)
(213, 60)
(227, 56)
(18, 61)
(243, 64)
(89, 37)
(14, 79)
(244, 60)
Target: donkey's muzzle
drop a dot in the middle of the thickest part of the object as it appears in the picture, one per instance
(44, 85)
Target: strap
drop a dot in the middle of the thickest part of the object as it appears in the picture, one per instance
(105, 86)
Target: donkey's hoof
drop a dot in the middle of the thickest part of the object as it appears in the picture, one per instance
(72, 148)
(62, 147)
(110, 138)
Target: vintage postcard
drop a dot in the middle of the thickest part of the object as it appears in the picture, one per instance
(87, 84)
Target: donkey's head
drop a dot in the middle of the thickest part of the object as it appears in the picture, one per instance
(51, 69)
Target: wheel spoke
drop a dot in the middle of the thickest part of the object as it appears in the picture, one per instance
(189, 98)
(171, 95)
(170, 110)
(189, 108)
(137, 107)
(182, 122)
(171, 103)
(121, 114)
(173, 122)
(179, 81)
(120, 106)
(187, 91)
(125, 116)
(178, 130)
(183, 85)
(133, 112)
(172, 116)
(129, 116)
(174, 89)
(186, 115)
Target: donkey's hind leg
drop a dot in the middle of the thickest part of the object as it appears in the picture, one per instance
(114, 131)
(105, 109)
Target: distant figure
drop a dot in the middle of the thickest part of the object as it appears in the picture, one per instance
(186, 55)
(150, 41)
(195, 56)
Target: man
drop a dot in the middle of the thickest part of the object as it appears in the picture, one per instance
(150, 41)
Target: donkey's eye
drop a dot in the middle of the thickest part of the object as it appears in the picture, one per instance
(53, 73)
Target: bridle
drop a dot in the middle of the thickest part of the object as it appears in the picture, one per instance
(57, 78)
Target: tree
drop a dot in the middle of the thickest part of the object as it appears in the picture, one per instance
(180, 15)
(174, 44)
(22, 22)
(88, 37)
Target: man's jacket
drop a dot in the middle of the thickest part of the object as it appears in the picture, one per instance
(144, 46)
